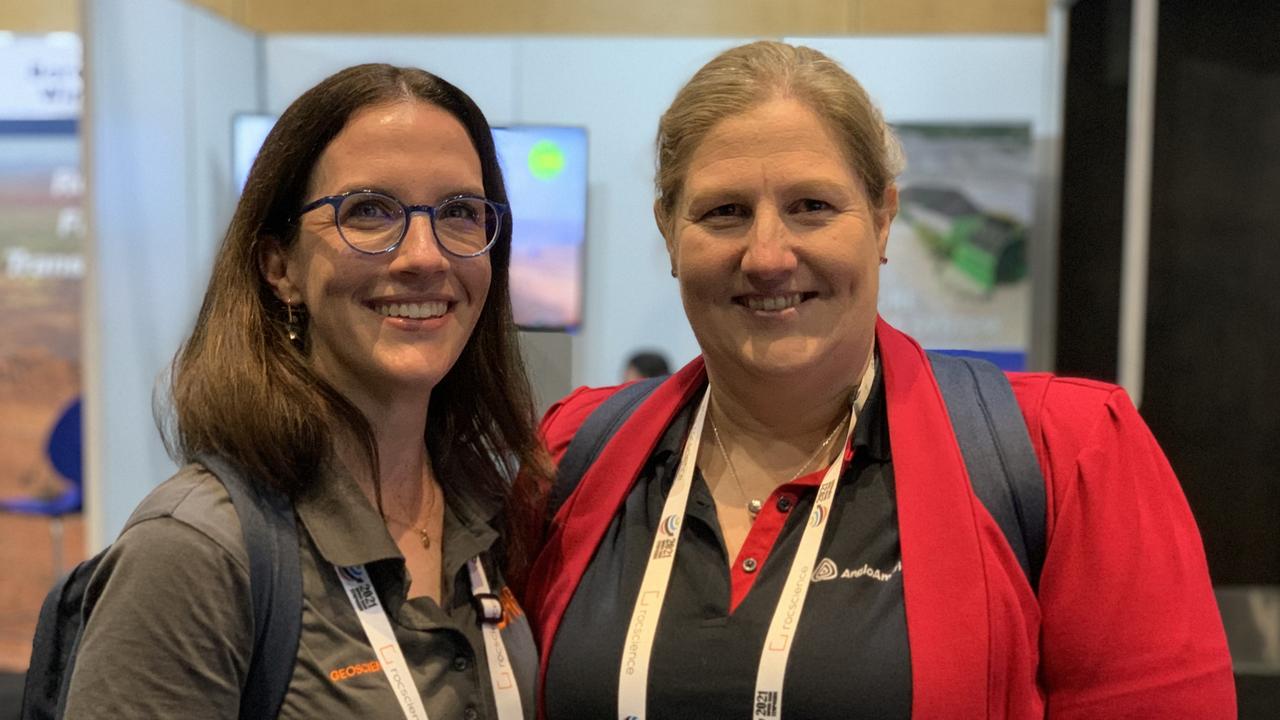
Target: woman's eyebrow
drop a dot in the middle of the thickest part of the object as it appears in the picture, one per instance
(821, 187)
(717, 196)
(436, 199)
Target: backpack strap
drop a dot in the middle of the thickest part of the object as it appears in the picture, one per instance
(591, 437)
(997, 451)
(57, 637)
(275, 581)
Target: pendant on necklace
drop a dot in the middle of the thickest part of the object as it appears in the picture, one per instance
(426, 539)
(754, 507)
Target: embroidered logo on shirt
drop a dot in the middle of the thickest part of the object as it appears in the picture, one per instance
(827, 570)
(350, 671)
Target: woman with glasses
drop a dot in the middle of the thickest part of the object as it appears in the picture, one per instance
(355, 355)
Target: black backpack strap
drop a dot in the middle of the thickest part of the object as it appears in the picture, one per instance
(275, 580)
(593, 435)
(997, 453)
(53, 649)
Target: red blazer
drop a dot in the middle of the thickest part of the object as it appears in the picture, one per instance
(1125, 624)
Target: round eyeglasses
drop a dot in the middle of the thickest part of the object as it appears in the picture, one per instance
(374, 223)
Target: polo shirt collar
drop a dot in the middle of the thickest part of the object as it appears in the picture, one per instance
(872, 431)
(470, 520)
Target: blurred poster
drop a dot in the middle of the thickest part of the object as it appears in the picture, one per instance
(958, 276)
(42, 266)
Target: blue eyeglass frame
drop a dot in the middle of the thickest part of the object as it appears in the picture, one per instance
(335, 201)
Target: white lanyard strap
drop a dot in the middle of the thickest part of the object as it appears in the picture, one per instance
(363, 597)
(506, 693)
(377, 628)
(767, 701)
(633, 678)
(638, 649)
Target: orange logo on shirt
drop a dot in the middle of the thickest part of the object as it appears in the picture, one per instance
(511, 609)
(350, 671)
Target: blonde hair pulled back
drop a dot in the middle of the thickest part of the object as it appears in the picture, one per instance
(742, 78)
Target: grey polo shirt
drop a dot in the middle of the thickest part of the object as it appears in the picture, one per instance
(171, 624)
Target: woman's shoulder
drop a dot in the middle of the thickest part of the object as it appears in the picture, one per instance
(1068, 409)
(1087, 432)
(168, 601)
(562, 420)
(191, 507)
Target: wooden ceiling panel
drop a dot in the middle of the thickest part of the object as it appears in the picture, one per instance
(40, 16)
(950, 16)
(738, 18)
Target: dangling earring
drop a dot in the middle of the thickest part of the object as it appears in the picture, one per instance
(292, 324)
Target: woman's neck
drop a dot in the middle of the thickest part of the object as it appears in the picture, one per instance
(404, 467)
(780, 421)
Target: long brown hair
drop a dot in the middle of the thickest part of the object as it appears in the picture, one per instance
(240, 388)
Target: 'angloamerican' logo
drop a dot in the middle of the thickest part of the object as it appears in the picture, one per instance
(828, 570)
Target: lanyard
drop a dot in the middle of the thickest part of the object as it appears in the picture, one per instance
(633, 676)
(377, 628)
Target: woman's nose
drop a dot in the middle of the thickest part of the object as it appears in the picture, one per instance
(419, 252)
(768, 254)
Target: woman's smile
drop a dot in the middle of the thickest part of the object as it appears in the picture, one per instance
(774, 305)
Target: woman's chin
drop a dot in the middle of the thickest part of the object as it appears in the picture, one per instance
(776, 362)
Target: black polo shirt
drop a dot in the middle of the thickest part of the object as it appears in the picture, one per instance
(850, 658)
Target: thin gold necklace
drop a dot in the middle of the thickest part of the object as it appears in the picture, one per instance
(754, 505)
(423, 534)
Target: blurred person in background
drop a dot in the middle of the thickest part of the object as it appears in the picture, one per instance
(355, 352)
(786, 526)
(645, 364)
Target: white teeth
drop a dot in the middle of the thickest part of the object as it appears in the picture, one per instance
(773, 304)
(415, 311)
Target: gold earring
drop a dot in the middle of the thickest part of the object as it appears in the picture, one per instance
(292, 325)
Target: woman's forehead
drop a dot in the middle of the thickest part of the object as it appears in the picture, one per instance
(780, 137)
(399, 145)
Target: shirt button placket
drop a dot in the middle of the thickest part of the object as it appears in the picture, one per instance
(749, 565)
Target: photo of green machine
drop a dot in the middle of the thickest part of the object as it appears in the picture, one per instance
(986, 248)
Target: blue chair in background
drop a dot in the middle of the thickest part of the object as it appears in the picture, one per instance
(64, 452)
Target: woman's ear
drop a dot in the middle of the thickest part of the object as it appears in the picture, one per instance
(273, 263)
(661, 219)
(885, 215)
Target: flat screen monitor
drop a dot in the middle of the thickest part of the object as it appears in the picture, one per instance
(545, 169)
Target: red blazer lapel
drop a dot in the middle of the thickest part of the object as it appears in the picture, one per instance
(942, 561)
(581, 523)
